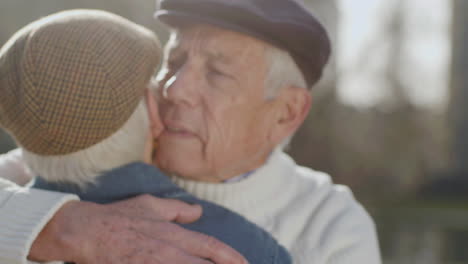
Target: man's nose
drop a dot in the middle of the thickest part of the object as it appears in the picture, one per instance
(181, 88)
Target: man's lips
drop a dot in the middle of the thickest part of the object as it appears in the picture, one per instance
(174, 129)
(178, 132)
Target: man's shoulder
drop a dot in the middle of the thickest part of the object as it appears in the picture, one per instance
(331, 217)
(329, 198)
(314, 179)
(318, 220)
(316, 183)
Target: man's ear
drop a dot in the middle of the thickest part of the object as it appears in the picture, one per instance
(294, 106)
(156, 126)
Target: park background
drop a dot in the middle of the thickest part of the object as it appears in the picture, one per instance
(388, 119)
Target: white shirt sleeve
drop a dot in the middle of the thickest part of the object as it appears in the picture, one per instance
(23, 211)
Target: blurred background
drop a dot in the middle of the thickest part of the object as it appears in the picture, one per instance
(387, 120)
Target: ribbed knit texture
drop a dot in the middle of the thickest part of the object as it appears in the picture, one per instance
(317, 221)
(23, 214)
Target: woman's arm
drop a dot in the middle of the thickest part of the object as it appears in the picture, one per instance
(13, 168)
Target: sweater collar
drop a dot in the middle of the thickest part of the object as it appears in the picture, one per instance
(261, 184)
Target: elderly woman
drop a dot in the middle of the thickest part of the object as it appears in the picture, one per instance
(72, 98)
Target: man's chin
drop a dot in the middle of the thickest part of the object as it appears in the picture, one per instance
(179, 165)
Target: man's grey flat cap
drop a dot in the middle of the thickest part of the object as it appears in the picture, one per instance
(286, 24)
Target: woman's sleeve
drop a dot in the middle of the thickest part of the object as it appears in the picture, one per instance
(23, 214)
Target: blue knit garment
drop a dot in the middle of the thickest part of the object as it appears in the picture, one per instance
(255, 244)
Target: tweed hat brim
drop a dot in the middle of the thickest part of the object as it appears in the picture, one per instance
(72, 79)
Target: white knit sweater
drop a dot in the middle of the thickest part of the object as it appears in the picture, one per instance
(23, 212)
(318, 222)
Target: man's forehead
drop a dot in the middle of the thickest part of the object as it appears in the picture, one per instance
(215, 42)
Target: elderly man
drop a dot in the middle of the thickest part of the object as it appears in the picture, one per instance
(93, 130)
(233, 91)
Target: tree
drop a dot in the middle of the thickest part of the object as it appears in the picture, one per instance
(458, 110)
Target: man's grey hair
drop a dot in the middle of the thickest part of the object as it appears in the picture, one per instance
(124, 146)
(282, 72)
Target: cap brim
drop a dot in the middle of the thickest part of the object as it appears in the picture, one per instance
(178, 19)
(282, 34)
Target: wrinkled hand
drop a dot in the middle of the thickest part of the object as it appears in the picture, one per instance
(133, 231)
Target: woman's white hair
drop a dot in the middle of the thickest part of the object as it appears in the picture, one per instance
(124, 146)
(282, 72)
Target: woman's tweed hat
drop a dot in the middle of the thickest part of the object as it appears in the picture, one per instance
(72, 79)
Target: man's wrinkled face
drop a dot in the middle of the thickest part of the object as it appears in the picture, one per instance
(212, 103)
